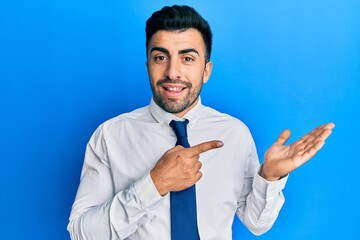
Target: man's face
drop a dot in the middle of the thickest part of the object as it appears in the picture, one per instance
(177, 69)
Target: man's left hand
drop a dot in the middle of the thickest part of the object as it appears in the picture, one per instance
(280, 160)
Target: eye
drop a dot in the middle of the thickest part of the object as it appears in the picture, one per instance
(188, 59)
(160, 58)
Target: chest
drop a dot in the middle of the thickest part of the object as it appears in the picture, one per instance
(134, 151)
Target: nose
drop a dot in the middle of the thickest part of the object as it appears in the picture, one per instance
(173, 71)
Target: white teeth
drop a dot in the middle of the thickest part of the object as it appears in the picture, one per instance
(174, 89)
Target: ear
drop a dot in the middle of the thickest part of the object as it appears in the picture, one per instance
(207, 71)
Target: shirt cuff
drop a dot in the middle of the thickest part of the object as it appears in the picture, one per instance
(147, 193)
(268, 189)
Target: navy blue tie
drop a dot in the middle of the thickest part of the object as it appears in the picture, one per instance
(183, 203)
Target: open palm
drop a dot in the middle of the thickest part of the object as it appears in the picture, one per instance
(280, 160)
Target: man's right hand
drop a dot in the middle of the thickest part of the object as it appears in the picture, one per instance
(179, 167)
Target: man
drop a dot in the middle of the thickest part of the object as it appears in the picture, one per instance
(133, 173)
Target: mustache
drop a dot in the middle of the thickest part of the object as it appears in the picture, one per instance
(185, 83)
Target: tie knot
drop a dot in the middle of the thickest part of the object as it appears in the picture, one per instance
(179, 128)
(180, 132)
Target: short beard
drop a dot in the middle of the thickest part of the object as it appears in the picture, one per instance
(172, 105)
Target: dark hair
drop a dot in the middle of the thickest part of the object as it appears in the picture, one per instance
(177, 18)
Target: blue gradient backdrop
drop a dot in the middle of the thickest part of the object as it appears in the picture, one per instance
(67, 66)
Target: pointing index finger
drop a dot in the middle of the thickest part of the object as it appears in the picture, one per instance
(204, 147)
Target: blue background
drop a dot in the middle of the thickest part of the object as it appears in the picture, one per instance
(67, 66)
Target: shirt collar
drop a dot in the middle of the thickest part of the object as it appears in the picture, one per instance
(164, 118)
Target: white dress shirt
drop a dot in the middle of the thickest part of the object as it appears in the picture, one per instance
(117, 199)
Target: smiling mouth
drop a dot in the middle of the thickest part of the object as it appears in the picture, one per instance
(174, 84)
(174, 89)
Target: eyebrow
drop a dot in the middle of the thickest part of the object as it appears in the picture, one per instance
(160, 49)
(183, 51)
(188, 50)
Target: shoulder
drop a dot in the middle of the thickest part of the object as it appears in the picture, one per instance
(212, 115)
(140, 114)
(222, 124)
(123, 120)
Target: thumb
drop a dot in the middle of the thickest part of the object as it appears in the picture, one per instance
(284, 136)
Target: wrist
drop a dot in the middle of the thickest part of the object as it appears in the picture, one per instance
(264, 174)
(158, 183)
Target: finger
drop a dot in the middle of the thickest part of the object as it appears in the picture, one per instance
(198, 175)
(284, 136)
(320, 138)
(312, 134)
(312, 150)
(325, 134)
(322, 128)
(308, 138)
(197, 165)
(204, 147)
(330, 125)
(320, 134)
(319, 131)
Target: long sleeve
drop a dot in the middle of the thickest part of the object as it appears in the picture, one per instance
(261, 200)
(101, 213)
(260, 207)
